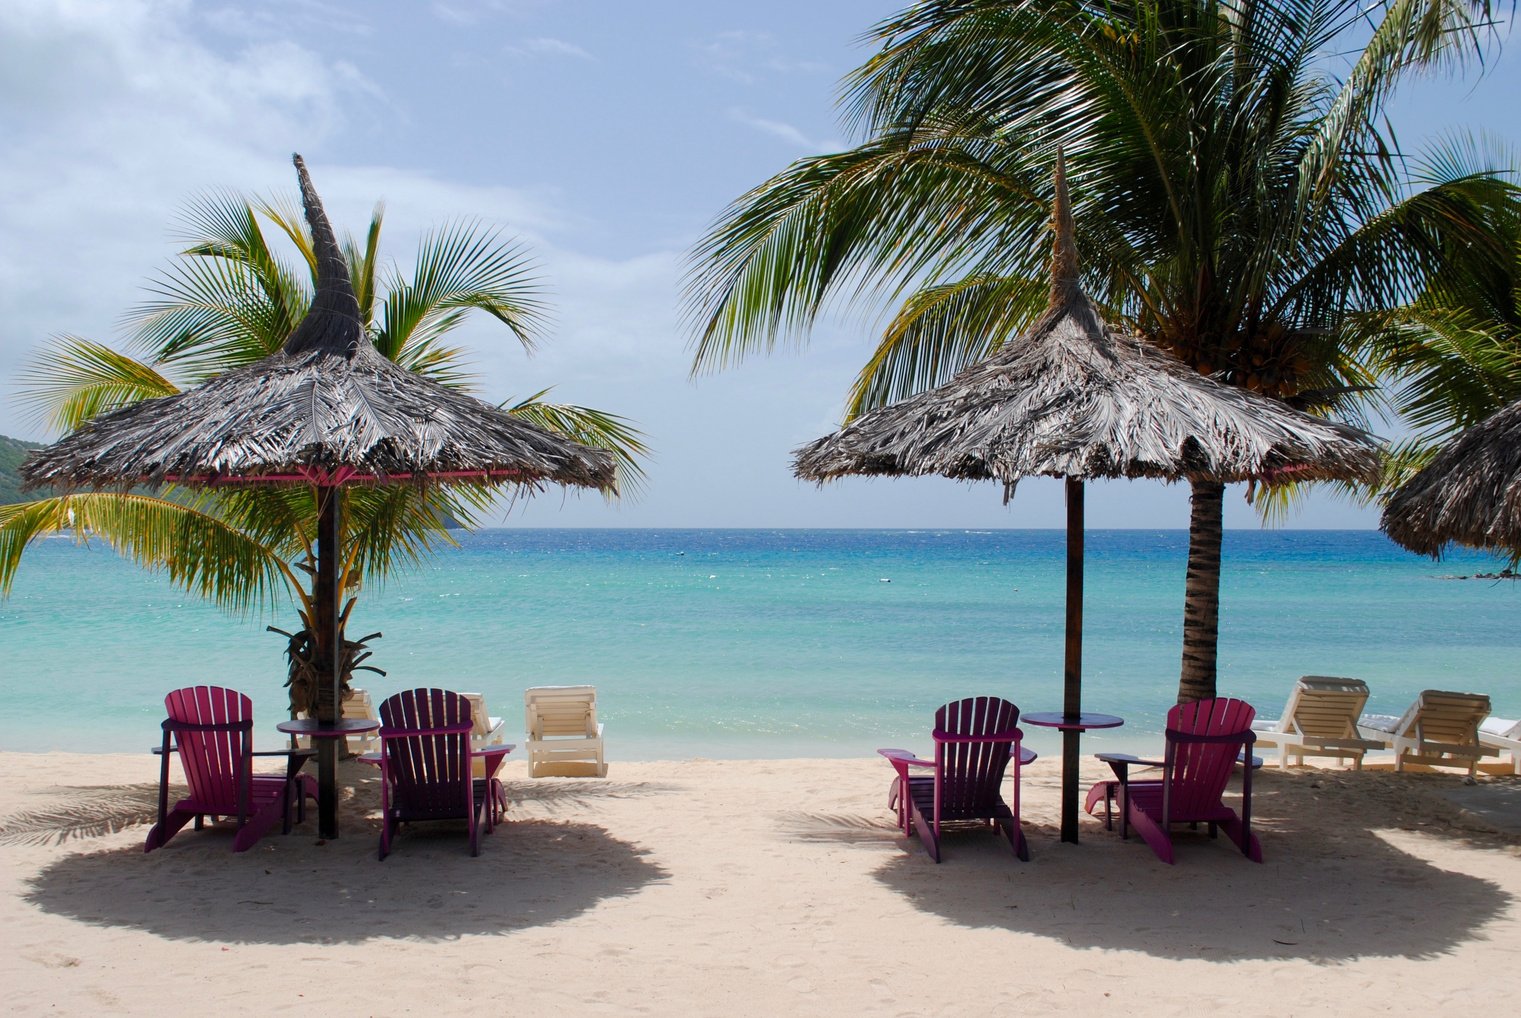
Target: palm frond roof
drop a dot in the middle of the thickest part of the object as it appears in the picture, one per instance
(1074, 398)
(326, 408)
(1470, 492)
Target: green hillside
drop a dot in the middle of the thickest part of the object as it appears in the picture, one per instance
(12, 452)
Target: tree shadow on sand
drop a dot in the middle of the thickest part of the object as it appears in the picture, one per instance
(81, 812)
(298, 889)
(1335, 885)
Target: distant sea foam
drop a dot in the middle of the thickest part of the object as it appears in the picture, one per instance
(776, 643)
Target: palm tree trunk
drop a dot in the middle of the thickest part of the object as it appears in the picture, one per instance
(1201, 592)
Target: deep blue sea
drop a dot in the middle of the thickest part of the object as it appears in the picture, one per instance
(776, 643)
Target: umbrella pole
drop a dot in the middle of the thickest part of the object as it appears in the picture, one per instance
(326, 629)
(1072, 689)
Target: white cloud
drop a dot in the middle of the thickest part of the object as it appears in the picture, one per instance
(777, 129)
(118, 113)
(549, 47)
(749, 56)
(473, 12)
(455, 14)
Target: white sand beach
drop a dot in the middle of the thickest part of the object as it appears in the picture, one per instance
(756, 888)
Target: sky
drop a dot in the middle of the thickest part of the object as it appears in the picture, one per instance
(607, 136)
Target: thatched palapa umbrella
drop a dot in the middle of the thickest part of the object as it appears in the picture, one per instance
(1470, 492)
(1074, 399)
(326, 410)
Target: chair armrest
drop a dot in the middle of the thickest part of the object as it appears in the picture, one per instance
(1121, 763)
(903, 756)
(1126, 758)
(305, 754)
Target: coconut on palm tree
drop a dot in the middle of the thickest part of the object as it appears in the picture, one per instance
(230, 303)
(1235, 196)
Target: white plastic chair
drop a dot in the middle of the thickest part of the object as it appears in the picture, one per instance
(1320, 719)
(564, 735)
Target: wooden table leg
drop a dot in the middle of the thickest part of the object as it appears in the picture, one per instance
(1070, 765)
(327, 787)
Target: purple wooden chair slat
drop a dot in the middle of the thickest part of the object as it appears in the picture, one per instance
(1204, 740)
(976, 739)
(426, 765)
(210, 728)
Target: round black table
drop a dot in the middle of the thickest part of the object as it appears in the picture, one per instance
(325, 736)
(1071, 726)
(1084, 721)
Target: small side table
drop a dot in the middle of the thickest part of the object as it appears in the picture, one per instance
(325, 736)
(1071, 726)
(1081, 723)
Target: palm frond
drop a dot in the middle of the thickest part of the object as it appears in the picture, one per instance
(941, 330)
(387, 527)
(875, 223)
(596, 428)
(460, 267)
(364, 266)
(197, 550)
(75, 379)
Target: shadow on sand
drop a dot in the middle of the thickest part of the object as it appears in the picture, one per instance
(1327, 894)
(299, 890)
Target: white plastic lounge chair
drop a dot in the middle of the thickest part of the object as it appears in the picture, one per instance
(359, 705)
(564, 736)
(1439, 728)
(1320, 719)
(488, 730)
(1503, 735)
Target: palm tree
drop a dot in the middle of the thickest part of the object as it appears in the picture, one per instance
(1454, 352)
(231, 300)
(1234, 200)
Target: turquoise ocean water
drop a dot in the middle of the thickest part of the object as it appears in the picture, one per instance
(776, 643)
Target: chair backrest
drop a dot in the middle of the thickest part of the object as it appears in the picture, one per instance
(1204, 738)
(1446, 717)
(359, 705)
(560, 711)
(213, 728)
(1326, 706)
(969, 763)
(481, 723)
(425, 746)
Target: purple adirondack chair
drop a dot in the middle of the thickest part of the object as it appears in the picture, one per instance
(1205, 738)
(211, 729)
(975, 741)
(426, 765)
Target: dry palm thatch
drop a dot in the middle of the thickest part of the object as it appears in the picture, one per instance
(1469, 493)
(1072, 398)
(326, 408)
